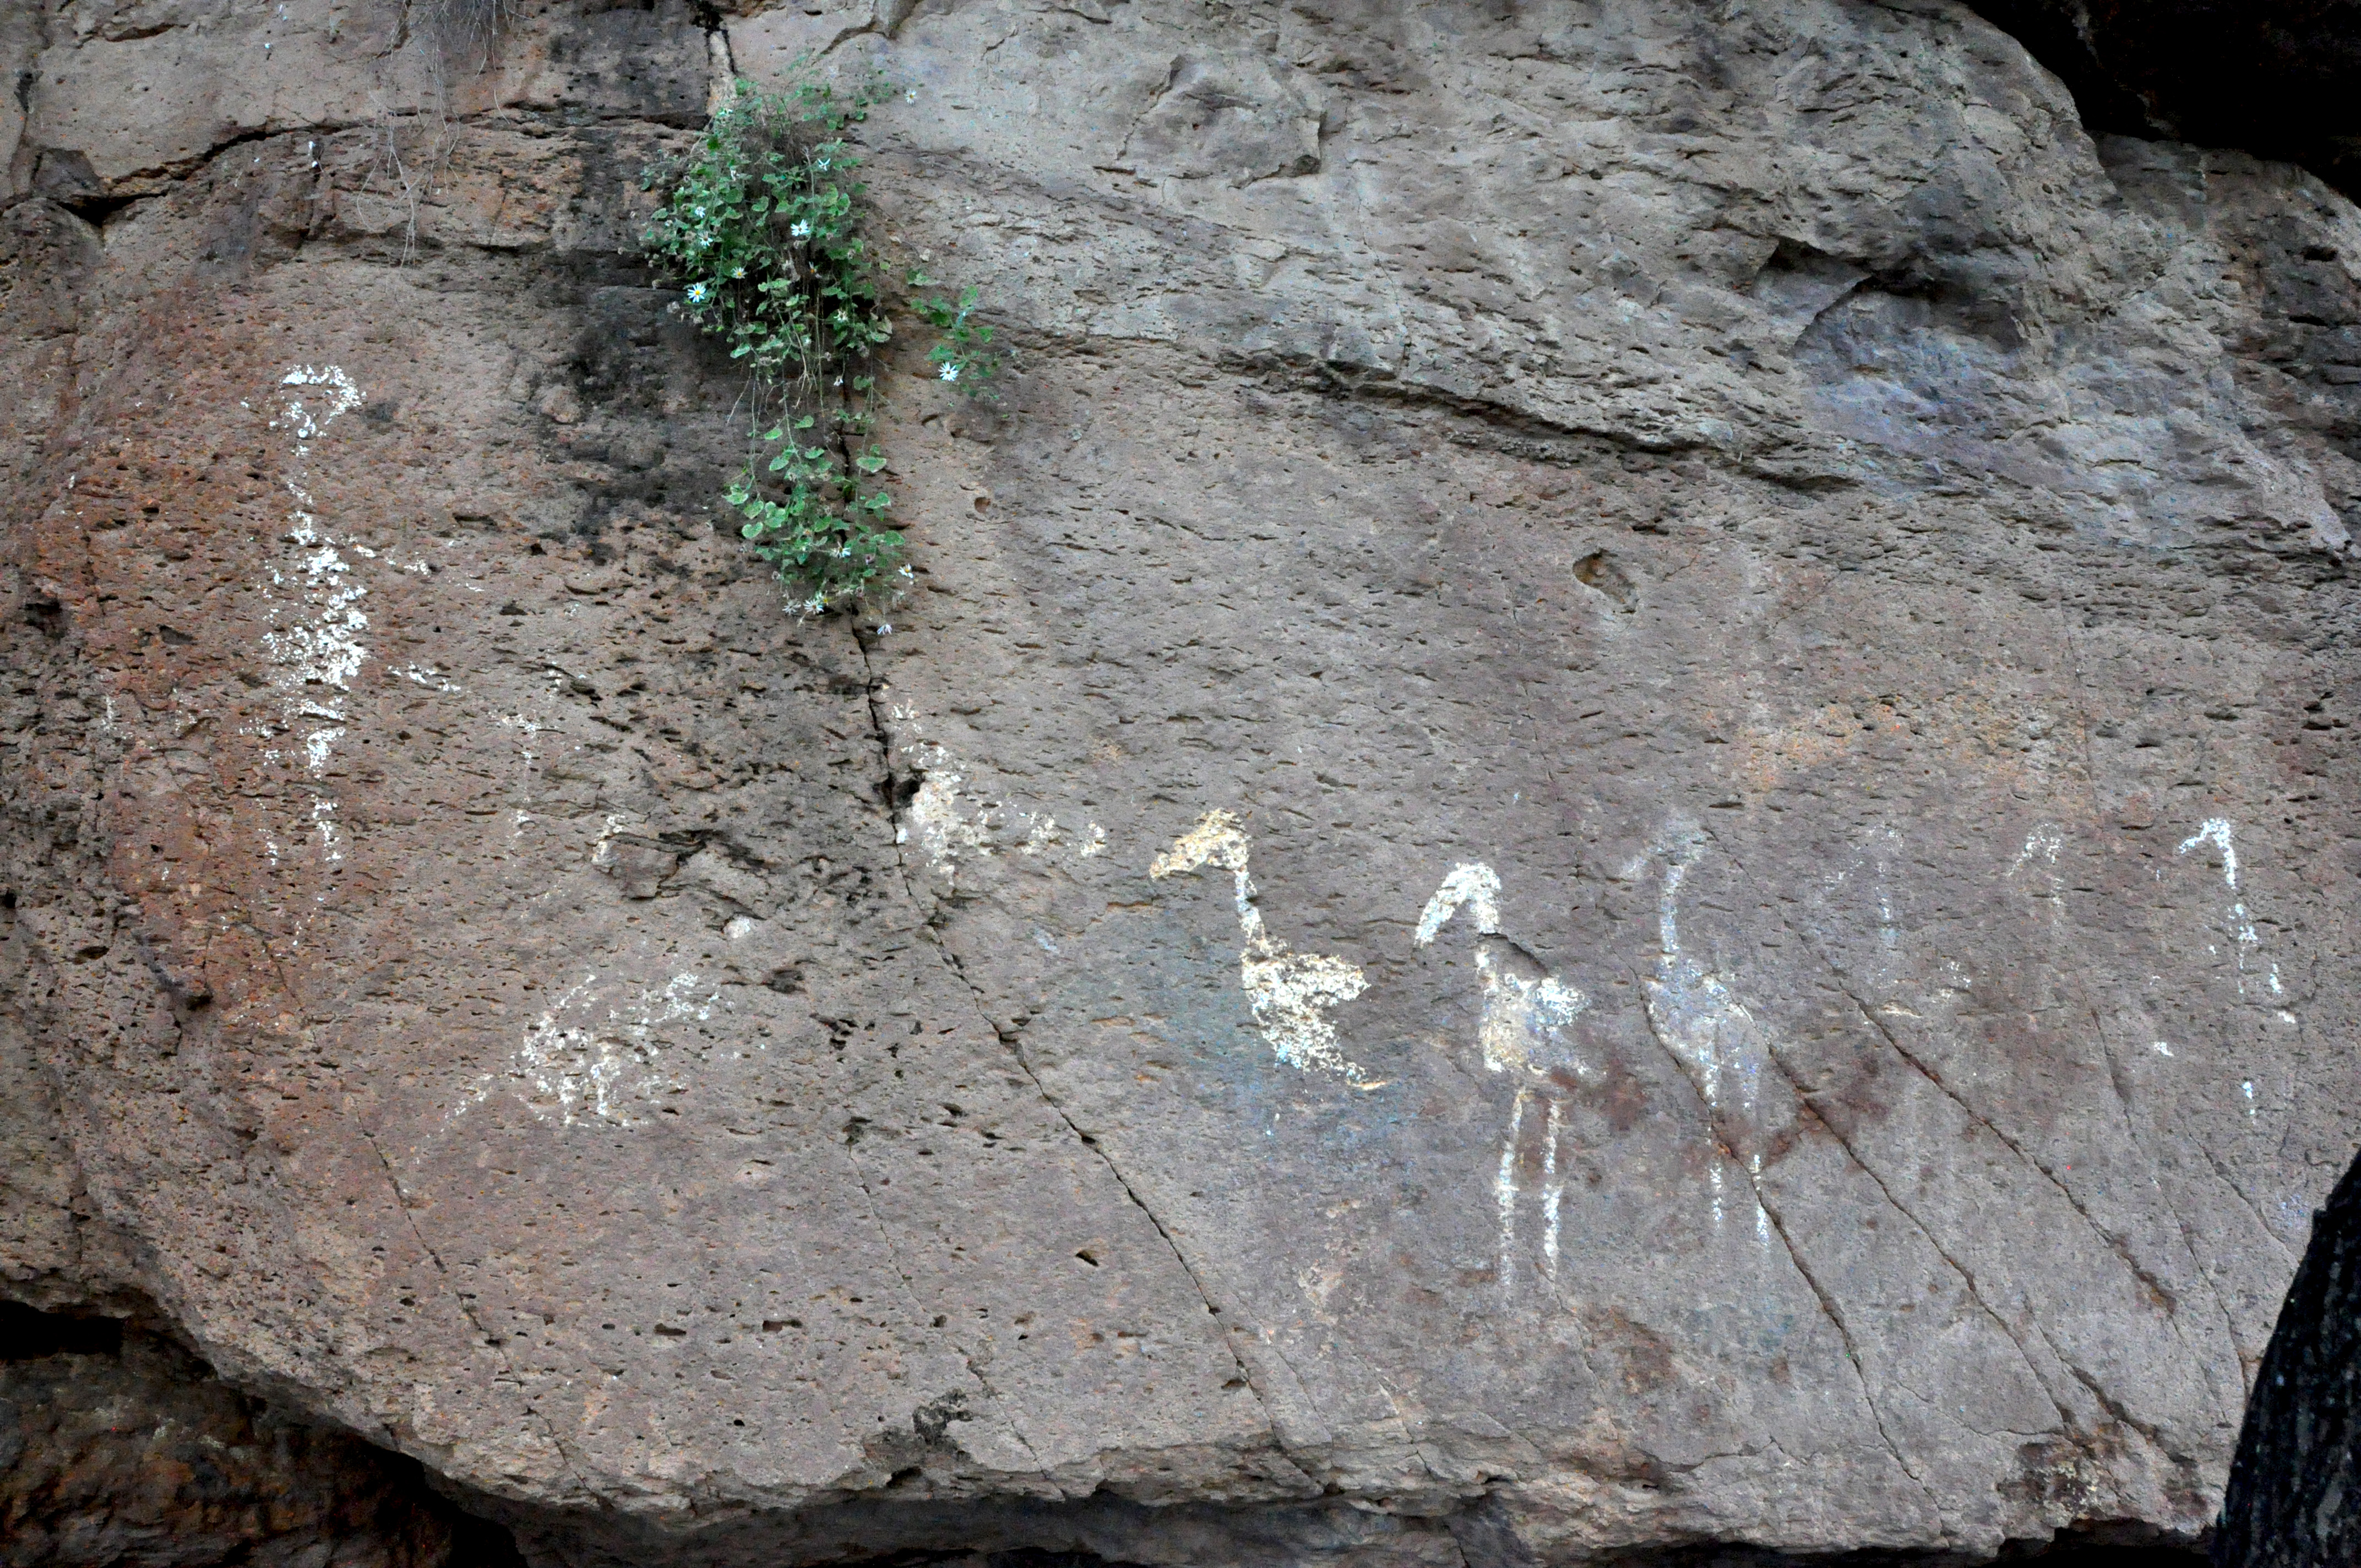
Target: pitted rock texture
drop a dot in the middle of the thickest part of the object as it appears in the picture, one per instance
(1614, 812)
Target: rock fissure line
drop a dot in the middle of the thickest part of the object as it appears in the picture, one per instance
(918, 1313)
(1347, 551)
(1829, 1310)
(1795, 1256)
(1278, 1353)
(2247, 1203)
(716, 40)
(1380, 388)
(860, 1176)
(2098, 1023)
(957, 972)
(2114, 1407)
(2155, 1184)
(181, 170)
(2115, 1244)
(499, 1343)
(1844, 983)
(1967, 1277)
(1393, 1401)
(1374, 384)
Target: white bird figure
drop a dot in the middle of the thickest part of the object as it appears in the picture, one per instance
(1291, 993)
(1718, 1043)
(1525, 1009)
(1526, 1012)
(2221, 832)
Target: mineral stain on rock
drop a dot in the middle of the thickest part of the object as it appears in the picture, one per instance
(1765, 590)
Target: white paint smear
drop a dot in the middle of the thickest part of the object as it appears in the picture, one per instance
(1694, 1010)
(1504, 1192)
(314, 646)
(1479, 884)
(339, 397)
(1524, 1016)
(1694, 1014)
(1290, 994)
(1523, 1031)
(2246, 950)
(2218, 832)
(579, 1064)
(2042, 844)
(944, 831)
(949, 824)
(323, 821)
(1553, 1191)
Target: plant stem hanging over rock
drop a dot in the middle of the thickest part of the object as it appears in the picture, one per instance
(762, 225)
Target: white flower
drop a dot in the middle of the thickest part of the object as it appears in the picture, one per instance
(951, 372)
(801, 231)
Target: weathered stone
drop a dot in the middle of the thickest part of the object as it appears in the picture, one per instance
(1613, 813)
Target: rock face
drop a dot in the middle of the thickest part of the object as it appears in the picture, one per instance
(1616, 810)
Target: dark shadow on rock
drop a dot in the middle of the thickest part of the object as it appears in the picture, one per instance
(2274, 77)
(118, 1446)
(2094, 1548)
(2294, 1498)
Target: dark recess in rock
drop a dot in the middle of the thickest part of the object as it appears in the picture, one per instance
(26, 1334)
(2071, 1549)
(120, 1447)
(2274, 78)
(2294, 1499)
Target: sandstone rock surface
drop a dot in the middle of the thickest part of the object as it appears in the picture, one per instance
(1615, 811)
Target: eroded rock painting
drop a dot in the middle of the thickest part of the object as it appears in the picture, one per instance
(1524, 1032)
(1720, 1046)
(1291, 993)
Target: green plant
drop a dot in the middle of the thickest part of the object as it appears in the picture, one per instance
(960, 356)
(762, 225)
